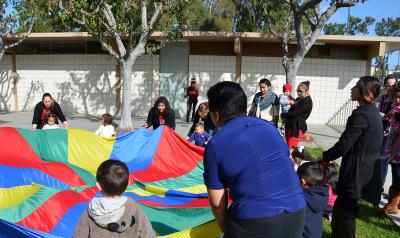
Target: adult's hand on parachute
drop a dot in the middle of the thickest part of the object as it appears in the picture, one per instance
(34, 127)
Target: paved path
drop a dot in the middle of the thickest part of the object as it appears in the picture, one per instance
(324, 136)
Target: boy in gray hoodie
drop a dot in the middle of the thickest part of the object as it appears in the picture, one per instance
(113, 215)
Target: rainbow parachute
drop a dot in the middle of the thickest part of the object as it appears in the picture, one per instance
(47, 179)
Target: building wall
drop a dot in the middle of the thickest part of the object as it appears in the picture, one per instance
(174, 75)
(209, 69)
(81, 83)
(86, 83)
(6, 85)
(145, 84)
(330, 83)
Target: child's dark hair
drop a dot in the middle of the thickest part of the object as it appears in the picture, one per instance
(51, 115)
(113, 177)
(107, 119)
(304, 155)
(199, 124)
(312, 173)
(331, 176)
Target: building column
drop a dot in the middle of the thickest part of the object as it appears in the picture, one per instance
(237, 48)
(369, 67)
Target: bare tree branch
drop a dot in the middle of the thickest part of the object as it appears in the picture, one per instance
(309, 4)
(22, 36)
(144, 17)
(112, 28)
(310, 21)
(105, 45)
(156, 15)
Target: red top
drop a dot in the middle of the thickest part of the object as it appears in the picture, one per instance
(192, 93)
(43, 115)
(161, 119)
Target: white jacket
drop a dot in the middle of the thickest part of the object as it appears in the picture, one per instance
(105, 131)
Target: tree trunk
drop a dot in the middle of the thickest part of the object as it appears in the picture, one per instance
(2, 46)
(291, 73)
(126, 74)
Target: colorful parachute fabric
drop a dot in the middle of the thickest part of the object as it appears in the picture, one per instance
(47, 178)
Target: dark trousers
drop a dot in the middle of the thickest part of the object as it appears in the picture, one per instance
(344, 217)
(288, 225)
(191, 106)
(396, 177)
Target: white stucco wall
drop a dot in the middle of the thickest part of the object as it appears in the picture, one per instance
(208, 70)
(81, 83)
(86, 83)
(6, 85)
(330, 82)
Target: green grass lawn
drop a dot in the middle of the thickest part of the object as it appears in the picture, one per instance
(369, 224)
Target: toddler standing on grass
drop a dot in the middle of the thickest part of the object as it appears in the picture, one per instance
(113, 215)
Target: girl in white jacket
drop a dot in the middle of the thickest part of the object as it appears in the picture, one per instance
(106, 128)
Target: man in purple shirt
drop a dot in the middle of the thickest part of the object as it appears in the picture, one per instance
(249, 158)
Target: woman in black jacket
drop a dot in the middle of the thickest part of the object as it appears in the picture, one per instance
(160, 114)
(297, 115)
(44, 107)
(203, 114)
(359, 147)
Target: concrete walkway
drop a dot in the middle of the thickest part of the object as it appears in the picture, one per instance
(324, 136)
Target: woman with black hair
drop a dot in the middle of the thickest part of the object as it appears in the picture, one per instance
(44, 107)
(265, 103)
(359, 146)
(203, 114)
(249, 158)
(160, 114)
(297, 115)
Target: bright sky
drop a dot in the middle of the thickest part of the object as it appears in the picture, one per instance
(377, 9)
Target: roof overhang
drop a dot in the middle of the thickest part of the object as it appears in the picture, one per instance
(377, 45)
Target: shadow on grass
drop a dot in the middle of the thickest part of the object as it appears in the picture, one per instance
(369, 224)
(369, 216)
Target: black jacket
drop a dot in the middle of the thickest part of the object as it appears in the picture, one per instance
(317, 200)
(298, 114)
(359, 146)
(208, 124)
(56, 109)
(153, 120)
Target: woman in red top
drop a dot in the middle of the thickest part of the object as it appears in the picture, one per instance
(160, 114)
(44, 107)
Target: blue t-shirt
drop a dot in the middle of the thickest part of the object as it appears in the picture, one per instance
(200, 139)
(250, 158)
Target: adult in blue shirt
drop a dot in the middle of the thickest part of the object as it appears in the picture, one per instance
(249, 158)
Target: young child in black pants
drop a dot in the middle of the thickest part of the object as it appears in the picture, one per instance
(316, 195)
